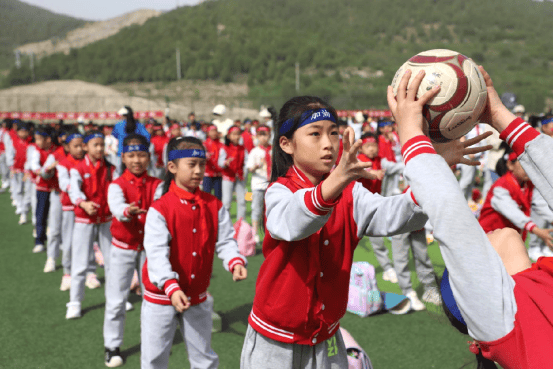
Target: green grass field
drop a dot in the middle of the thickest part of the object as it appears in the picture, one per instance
(35, 334)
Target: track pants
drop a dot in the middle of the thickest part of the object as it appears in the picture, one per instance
(121, 270)
(42, 208)
(381, 252)
(158, 324)
(4, 170)
(67, 224)
(30, 199)
(18, 192)
(466, 182)
(215, 184)
(228, 189)
(416, 242)
(81, 247)
(55, 216)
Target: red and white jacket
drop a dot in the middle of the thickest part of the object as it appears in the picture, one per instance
(64, 180)
(18, 154)
(159, 143)
(128, 230)
(182, 233)
(237, 166)
(387, 148)
(302, 286)
(89, 182)
(213, 150)
(37, 161)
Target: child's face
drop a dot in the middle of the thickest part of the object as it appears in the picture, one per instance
(95, 148)
(22, 134)
(366, 128)
(213, 134)
(370, 149)
(136, 161)
(76, 148)
(189, 172)
(547, 129)
(314, 148)
(518, 170)
(234, 137)
(263, 138)
(386, 129)
(175, 132)
(41, 141)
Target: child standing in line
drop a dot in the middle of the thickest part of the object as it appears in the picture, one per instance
(16, 158)
(213, 179)
(259, 164)
(388, 142)
(129, 198)
(159, 141)
(88, 191)
(4, 169)
(184, 229)
(234, 171)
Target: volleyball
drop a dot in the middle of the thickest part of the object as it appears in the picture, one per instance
(455, 110)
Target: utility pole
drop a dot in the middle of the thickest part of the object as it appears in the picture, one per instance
(178, 65)
(297, 77)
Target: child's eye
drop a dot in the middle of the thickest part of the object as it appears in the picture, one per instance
(314, 134)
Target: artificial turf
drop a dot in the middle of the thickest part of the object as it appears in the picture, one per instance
(35, 334)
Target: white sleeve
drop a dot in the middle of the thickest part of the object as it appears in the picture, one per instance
(536, 161)
(10, 150)
(159, 191)
(245, 169)
(75, 193)
(156, 245)
(539, 205)
(222, 158)
(165, 157)
(250, 163)
(503, 203)
(63, 178)
(49, 161)
(392, 168)
(117, 203)
(226, 246)
(376, 215)
(33, 159)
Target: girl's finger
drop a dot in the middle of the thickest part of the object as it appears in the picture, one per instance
(346, 139)
(355, 149)
(363, 165)
(429, 95)
(477, 139)
(477, 150)
(414, 88)
(402, 88)
(472, 163)
(392, 103)
(487, 78)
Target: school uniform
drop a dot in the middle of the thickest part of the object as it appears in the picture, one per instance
(127, 246)
(4, 169)
(16, 158)
(389, 150)
(183, 231)
(247, 141)
(259, 156)
(89, 182)
(469, 172)
(30, 199)
(213, 178)
(234, 175)
(159, 144)
(302, 286)
(509, 316)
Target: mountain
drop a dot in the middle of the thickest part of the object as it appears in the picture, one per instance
(22, 23)
(348, 50)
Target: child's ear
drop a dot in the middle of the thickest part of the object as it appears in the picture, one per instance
(172, 167)
(286, 145)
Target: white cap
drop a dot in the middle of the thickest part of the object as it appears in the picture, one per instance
(519, 109)
(359, 118)
(264, 113)
(123, 111)
(80, 119)
(219, 109)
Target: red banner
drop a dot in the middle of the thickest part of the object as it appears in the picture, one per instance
(368, 112)
(76, 115)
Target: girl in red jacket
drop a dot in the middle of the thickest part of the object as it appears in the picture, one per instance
(235, 158)
(184, 229)
(215, 152)
(129, 198)
(89, 192)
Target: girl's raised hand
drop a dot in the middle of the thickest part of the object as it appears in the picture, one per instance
(495, 114)
(239, 273)
(406, 108)
(454, 152)
(351, 168)
(180, 301)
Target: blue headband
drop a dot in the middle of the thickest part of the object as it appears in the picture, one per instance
(189, 153)
(310, 116)
(92, 136)
(43, 134)
(547, 121)
(73, 136)
(131, 148)
(22, 125)
(449, 300)
(384, 123)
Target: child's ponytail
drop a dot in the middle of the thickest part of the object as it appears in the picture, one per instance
(179, 143)
(501, 166)
(292, 109)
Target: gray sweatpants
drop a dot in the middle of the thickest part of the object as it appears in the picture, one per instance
(121, 270)
(416, 242)
(260, 352)
(258, 201)
(55, 218)
(4, 169)
(466, 182)
(390, 185)
(381, 252)
(158, 324)
(18, 192)
(67, 224)
(535, 241)
(240, 188)
(81, 246)
(29, 199)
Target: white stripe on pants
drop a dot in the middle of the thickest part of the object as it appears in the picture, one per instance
(81, 246)
(240, 188)
(121, 271)
(55, 216)
(68, 222)
(158, 324)
(381, 252)
(416, 241)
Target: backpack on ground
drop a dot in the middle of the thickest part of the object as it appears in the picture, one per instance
(364, 296)
(357, 357)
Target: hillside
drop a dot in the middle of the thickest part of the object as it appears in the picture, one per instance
(348, 50)
(22, 23)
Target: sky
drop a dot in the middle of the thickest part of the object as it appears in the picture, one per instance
(105, 9)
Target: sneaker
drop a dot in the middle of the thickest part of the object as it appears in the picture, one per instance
(5, 185)
(92, 281)
(432, 296)
(50, 265)
(256, 239)
(113, 358)
(128, 306)
(535, 253)
(416, 304)
(34, 232)
(22, 219)
(429, 238)
(390, 275)
(38, 248)
(65, 282)
(73, 310)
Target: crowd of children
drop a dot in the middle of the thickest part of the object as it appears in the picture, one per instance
(140, 202)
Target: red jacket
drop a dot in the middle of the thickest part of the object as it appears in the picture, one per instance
(212, 148)
(20, 147)
(491, 220)
(3, 132)
(373, 185)
(248, 141)
(385, 148)
(235, 169)
(95, 180)
(527, 345)
(293, 303)
(66, 165)
(45, 185)
(159, 143)
(140, 190)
